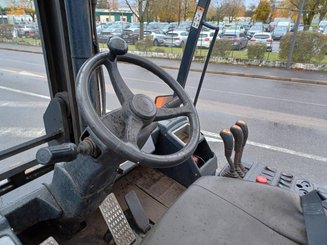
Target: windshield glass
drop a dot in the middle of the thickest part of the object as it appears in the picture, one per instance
(280, 28)
(261, 36)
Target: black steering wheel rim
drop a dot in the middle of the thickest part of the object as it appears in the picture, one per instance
(126, 149)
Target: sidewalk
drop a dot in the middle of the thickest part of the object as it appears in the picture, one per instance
(310, 77)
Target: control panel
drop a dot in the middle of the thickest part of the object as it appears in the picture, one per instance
(256, 172)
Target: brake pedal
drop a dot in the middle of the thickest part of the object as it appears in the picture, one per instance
(116, 221)
(137, 211)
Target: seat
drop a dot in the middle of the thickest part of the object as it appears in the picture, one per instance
(218, 210)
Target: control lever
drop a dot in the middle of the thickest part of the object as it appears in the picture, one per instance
(58, 153)
(66, 152)
(238, 137)
(227, 138)
(243, 125)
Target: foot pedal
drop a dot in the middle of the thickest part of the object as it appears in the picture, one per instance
(135, 206)
(116, 221)
(49, 241)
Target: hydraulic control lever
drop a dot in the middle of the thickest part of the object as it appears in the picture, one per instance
(238, 137)
(58, 153)
(243, 125)
(227, 138)
(65, 152)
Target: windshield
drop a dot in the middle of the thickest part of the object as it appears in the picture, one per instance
(281, 28)
(227, 35)
(203, 35)
(261, 36)
(256, 27)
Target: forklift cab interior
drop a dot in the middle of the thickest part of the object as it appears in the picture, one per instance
(138, 151)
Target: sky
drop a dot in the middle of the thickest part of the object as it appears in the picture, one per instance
(249, 2)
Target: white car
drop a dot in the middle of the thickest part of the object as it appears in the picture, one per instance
(205, 39)
(176, 38)
(262, 37)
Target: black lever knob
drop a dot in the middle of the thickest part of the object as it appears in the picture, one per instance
(243, 125)
(117, 46)
(227, 138)
(238, 137)
(59, 153)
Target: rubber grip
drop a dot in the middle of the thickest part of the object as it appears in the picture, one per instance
(243, 125)
(227, 138)
(59, 153)
(238, 137)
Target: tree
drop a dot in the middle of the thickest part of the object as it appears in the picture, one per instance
(262, 11)
(140, 10)
(232, 9)
(311, 8)
(322, 10)
(22, 7)
(102, 4)
(250, 11)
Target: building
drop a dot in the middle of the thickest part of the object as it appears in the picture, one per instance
(121, 14)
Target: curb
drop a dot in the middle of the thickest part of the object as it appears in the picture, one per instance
(239, 74)
(22, 50)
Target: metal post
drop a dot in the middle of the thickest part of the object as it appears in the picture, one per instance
(296, 26)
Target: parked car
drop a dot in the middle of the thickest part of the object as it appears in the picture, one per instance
(108, 33)
(322, 25)
(129, 36)
(256, 28)
(262, 37)
(168, 27)
(176, 38)
(238, 39)
(235, 27)
(325, 31)
(157, 37)
(279, 32)
(25, 30)
(205, 39)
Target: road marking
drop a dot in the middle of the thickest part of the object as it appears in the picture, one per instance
(24, 92)
(265, 97)
(20, 104)
(23, 73)
(213, 137)
(21, 132)
(233, 93)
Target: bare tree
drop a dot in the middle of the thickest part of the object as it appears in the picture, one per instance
(311, 8)
(232, 9)
(139, 8)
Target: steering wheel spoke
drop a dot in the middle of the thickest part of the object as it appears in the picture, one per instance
(132, 130)
(167, 113)
(124, 94)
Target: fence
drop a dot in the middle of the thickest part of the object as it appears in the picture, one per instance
(310, 48)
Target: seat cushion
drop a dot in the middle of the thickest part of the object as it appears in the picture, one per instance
(217, 210)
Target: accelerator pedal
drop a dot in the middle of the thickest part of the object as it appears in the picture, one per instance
(116, 221)
(49, 241)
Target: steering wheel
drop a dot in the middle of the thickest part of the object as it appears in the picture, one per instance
(137, 110)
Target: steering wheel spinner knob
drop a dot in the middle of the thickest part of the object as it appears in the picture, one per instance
(117, 46)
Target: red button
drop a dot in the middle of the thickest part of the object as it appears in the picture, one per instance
(261, 179)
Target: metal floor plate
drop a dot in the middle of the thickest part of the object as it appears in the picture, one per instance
(49, 241)
(116, 221)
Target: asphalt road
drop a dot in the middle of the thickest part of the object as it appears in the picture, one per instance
(287, 121)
